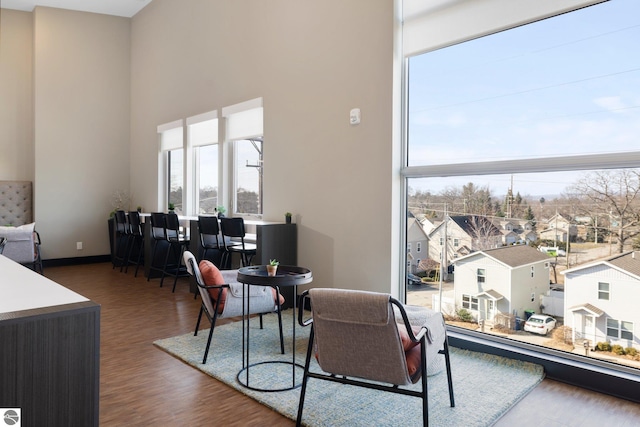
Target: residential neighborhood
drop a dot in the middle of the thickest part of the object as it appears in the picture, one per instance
(496, 274)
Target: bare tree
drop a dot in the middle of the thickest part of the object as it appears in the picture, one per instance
(613, 195)
(484, 234)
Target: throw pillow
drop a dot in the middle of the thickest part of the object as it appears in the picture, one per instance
(411, 350)
(212, 277)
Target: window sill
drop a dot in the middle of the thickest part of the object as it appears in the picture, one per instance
(593, 374)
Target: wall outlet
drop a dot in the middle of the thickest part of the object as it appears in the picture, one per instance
(79, 246)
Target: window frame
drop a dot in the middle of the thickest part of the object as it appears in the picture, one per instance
(469, 301)
(602, 293)
(595, 374)
(193, 147)
(244, 121)
(481, 275)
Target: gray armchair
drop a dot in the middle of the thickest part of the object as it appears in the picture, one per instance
(23, 245)
(355, 337)
(222, 296)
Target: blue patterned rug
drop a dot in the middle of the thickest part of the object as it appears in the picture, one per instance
(485, 386)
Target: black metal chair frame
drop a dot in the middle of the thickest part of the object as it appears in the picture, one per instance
(209, 230)
(158, 238)
(3, 241)
(419, 338)
(213, 317)
(121, 242)
(177, 245)
(234, 228)
(135, 242)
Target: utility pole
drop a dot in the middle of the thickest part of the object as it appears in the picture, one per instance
(443, 258)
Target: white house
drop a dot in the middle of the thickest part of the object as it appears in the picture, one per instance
(417, 244)
(601, 300)
(463, 234)
(559, 228)
(506, 280)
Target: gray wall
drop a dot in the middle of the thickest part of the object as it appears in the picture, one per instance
(16, 96)
(102, 84)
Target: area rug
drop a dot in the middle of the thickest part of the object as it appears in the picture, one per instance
(485, 386)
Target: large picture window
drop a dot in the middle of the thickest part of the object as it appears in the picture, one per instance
(171, 166)
(203, 138)
(523, 142)
(245, 131)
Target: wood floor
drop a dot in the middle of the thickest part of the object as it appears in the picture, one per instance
(142, 386)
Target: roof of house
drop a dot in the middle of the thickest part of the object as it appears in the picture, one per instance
(587, 307)
(472, 224)
(513, 256)
(628, 261)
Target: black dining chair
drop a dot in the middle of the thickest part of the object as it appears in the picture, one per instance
(121, 239)
(135, 254)
(233, 228)
(211, 247)
(159, 244)
(173, 265)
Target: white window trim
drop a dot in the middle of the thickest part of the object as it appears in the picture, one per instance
(590, 373)
(163, 161)
(192, 184)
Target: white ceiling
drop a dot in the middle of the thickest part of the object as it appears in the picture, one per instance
(126, 8)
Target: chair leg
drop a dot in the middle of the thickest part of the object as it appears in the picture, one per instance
(280, 321)
(164, 266)
(448, 365)
(131, 243)
(423, 367)
(141, 251)
(305, 379)
(213, 325)
(153, 258)
(175, 280)
(206, 351)
(198, 322)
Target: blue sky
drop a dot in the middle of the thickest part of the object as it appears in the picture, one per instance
(562, 86)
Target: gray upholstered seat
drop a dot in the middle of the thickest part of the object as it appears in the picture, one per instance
(355, 337)
(23, 245)
(236, 300)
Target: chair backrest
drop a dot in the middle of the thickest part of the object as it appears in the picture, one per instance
(193, 269)
(157, 225)
(20, 244)
(232, 227)
(356, 335)
(121, 222)
(209, 230)
(172, 225)
(134, 223)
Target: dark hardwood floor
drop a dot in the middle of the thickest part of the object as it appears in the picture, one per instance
(143, 386)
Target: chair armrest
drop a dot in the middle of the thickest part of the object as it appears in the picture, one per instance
(303, 299)
(413, 337)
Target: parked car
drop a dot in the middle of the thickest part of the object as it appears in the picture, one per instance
(539, 324)
(412, 279)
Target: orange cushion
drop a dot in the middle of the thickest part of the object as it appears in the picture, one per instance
(212, 277)
(411, 349)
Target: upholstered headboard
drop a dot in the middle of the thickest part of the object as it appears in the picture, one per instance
(16, 206)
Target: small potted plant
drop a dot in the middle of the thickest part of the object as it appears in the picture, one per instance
(272, 267)
(171, 207)
(221, 210)
(287, 217)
